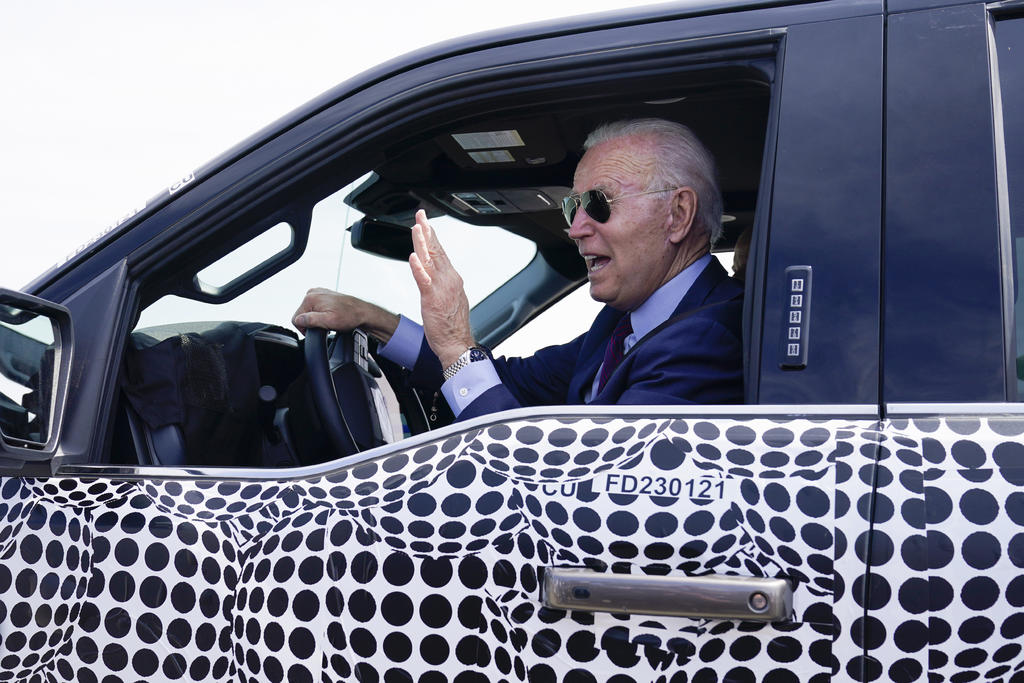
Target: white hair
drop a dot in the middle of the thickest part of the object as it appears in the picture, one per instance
(680, 160)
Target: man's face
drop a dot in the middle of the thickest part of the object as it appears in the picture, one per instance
(629, 256)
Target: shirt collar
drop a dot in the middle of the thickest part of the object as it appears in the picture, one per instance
(660, 305)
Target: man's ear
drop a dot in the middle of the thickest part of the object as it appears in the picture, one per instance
(682, 214)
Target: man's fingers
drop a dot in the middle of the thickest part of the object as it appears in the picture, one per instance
(309, 304)
(303, 321)
(419, 245)
(419, 273)
(430, 241)
(421, 242)
(421, 220)
(421, 217)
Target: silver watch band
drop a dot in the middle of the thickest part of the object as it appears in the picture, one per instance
(473, 353)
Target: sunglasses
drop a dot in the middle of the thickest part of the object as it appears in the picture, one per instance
(596, 203)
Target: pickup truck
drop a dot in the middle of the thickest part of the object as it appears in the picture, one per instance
(190, 490)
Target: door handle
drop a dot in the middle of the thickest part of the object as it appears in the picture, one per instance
(714, 596)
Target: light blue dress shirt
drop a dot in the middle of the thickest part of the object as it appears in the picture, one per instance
(476, 378)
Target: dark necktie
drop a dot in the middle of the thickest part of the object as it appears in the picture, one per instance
(615, 351)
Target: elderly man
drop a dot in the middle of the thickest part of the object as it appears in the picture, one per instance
(644, 210)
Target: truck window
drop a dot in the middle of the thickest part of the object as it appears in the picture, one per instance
(491, 183)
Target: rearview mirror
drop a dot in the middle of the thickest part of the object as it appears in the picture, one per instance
(384, 239)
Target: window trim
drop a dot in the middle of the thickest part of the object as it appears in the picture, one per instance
(1005, 227)
(921, 410)
(868, 413)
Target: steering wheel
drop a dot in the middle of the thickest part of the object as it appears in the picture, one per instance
(325, 393)
(340, 381)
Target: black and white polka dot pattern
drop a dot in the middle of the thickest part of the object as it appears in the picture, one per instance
(946, 598)
(425, 564)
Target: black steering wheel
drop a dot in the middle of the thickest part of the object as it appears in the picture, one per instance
(340, 380)
(325, 394)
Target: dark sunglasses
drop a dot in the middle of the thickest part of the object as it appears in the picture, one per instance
(596, 203)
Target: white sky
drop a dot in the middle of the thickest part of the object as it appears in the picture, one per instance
(107, 102)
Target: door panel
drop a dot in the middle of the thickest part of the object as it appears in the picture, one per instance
(825, 214)
(943, 281)
(429, 559)
(946, 602)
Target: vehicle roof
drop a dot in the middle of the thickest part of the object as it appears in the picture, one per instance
(498, 37)
(573, 26)
(406, 62)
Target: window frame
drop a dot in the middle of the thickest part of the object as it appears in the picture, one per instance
(1000, 13)
(290, 161)
(487, 315)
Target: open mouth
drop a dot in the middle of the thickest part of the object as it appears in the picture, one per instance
(596, 263)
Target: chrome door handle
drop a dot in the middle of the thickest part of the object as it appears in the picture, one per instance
(714, 596)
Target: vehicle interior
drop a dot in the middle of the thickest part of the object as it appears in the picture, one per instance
(207, 381)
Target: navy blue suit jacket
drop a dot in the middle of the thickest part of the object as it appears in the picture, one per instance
(696, 359)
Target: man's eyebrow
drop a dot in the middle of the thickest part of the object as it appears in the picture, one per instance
(607, 186)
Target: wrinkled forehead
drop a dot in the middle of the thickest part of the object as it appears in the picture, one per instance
(626, 162)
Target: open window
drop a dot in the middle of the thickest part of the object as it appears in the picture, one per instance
(490, 171)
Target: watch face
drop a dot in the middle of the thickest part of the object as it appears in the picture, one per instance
(477, 354)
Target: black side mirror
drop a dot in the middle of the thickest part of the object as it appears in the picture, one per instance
(35, 359)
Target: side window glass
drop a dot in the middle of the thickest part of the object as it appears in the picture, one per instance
(261, 249)
(1010, 47)
(563, 321)
(486, 257)
(331, 261)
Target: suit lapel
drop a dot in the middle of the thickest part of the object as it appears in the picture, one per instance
(701, 293)
(592, 353)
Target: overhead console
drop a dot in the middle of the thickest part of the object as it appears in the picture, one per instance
(523, 143)
(491, 202)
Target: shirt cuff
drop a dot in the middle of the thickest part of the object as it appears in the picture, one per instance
(468, 383)
(404, 346)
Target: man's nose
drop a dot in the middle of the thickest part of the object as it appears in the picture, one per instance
(581, 225)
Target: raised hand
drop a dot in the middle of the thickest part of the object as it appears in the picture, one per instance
(443, 302)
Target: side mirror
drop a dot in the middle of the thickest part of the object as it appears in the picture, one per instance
(35, 362)
(384, 239)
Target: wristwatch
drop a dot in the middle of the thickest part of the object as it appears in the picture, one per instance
(470, 355)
